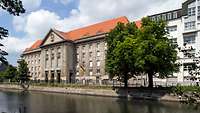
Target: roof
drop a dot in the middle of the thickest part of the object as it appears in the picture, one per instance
(138, 23)
(91, 30)
(35, 45)
(95, 29)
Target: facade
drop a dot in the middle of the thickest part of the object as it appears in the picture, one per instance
(79, 55)
(73, 56)
(183, 26)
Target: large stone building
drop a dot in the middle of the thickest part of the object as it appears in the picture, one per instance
(73, 56)
(79, 55)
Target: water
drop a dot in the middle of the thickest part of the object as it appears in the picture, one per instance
(33, 102)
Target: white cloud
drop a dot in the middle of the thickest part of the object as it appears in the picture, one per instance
(37, 23)
(15, 44)
(19, 23)
(30, 5)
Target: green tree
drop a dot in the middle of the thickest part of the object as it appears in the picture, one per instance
(23, 71)
(10, 73)
(14, 7)
(133, 51)
(155, 53)
(120, 54)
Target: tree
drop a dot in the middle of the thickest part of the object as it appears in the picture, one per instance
(145, 50)
(14, 7)
(155, 53)
(10, 73)
(120, 54)
(23, 71)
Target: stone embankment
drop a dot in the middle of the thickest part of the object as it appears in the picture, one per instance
(158, 95)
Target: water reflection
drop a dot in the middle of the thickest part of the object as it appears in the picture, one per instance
(10, 102)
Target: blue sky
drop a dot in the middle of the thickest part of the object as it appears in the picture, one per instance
(65, 15)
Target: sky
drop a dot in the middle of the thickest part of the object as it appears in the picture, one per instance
(65, 15)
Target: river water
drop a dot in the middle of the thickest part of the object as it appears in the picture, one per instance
(32, 102)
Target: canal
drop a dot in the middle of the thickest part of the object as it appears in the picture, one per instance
(33, 102)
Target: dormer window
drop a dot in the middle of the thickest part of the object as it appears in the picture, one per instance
(99, 32)
(52, 37)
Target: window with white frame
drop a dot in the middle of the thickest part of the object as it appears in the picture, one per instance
(198, 10)
(188, 66)
(189, 54)
(190, 25)
(173, 41)
(175, 15)
(164, 17)
(191, 11)
(189, 39)
(172, 28)
(169, 16)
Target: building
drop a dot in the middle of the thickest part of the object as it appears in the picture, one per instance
(79, 55)
(73, 56)
(183, 26)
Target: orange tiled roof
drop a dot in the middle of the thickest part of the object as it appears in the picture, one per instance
(138, 23)
(95, 29)
(103, 27)
(35, 45)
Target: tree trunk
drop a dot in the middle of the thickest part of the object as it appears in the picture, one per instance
(125, 81)
(150, 79)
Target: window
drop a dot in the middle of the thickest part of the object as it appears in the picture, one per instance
(191, 11)
(98, 53)
(90, 46)
(189, 54)
(98, 63)
(198, 10)
(189, 39)
(77, 73)
(90, 54)
(90, 64)
(173, 41)
(77, 56)
(83, 55)
(172, 28)
(153, 18)
(164, 17)
(90, 73)
(83, 48)
(190, 25)
(58, 57)
(175, 15)
(105, 46)
(188, 66)
(98, 71)
(83, 64)
(169, 16)
(52, 37)
(98, 45)
(158, 17)
(47, 55)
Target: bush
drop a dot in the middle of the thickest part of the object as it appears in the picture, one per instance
(179, 90)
